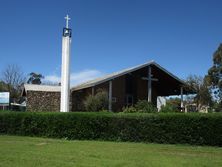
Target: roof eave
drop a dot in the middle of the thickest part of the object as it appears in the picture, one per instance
(76, 88)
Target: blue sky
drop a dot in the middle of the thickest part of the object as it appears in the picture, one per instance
(110, 35)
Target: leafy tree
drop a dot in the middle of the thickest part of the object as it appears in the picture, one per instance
(203, 94)
(214, 77)
(174, 101)
(35, 78)
(169, 107)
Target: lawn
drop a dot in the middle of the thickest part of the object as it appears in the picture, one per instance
(27, 151)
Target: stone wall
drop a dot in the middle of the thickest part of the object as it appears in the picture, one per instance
(43, 101)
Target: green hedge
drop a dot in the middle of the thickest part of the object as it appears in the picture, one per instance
(198, 129)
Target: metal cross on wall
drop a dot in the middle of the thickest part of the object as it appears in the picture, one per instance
(149, 79)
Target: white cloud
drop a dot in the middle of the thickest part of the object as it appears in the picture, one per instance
(83, 76)
(76, 77)
(52, 78)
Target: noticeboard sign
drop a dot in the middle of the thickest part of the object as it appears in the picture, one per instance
(4, 98)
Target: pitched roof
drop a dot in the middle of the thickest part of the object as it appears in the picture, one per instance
(114, 75)
(45, 88)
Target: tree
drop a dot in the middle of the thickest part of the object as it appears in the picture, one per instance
(175, 102)
(203, 94)
(99, 102)
(12, 79)
(3, 86)
(169, 108)
(35, 78)
(214, 77)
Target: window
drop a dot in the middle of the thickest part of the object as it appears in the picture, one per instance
(114, 99)
(129, 100)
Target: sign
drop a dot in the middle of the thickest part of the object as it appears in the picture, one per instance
(4, 98)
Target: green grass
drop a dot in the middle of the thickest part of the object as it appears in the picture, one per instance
(27, 151)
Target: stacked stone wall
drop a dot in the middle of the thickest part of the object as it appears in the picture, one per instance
(43, 101)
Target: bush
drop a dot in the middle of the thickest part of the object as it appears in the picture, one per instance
(198, 129)
(130, 109)
(97, 103)
(169, 108)
(141, 106)
(144, 106)
(217, 107)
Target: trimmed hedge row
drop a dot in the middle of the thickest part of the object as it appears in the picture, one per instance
(198, 129)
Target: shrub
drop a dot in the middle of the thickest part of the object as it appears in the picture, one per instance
(91, 103)
(169, 108)
(130, 109)
(97, 103)
(217, 107)
(198, 129)
(144, 106)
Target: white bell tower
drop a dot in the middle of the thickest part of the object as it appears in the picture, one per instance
(65, 71)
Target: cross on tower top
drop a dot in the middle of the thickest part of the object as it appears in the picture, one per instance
(67, 21)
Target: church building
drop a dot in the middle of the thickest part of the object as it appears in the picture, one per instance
(127, 87)
(124, 88)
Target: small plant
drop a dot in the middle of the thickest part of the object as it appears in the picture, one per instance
(169, 108)
(144, 106)
(130, 109)
(99, 102)
(104, 111)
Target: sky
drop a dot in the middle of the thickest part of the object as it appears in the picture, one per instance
(110, 35)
